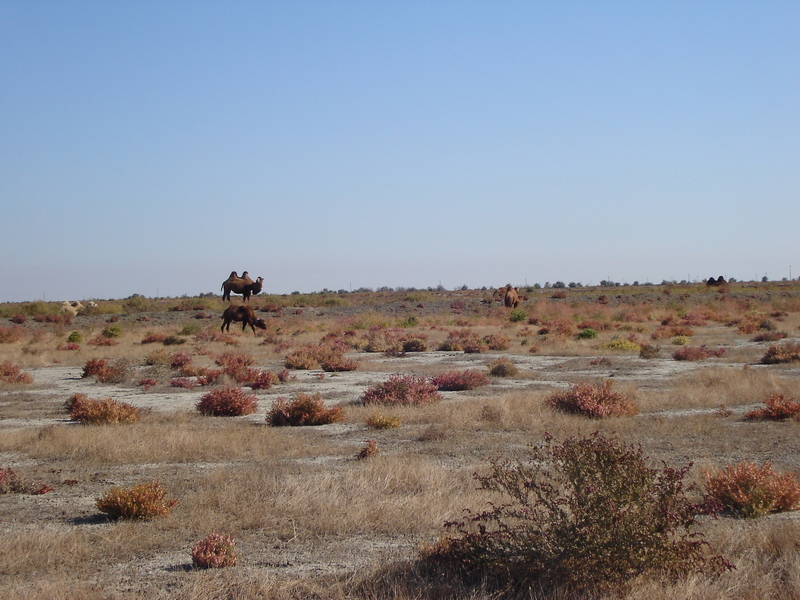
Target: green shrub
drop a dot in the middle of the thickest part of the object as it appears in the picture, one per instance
(596, 401)
(112, 331)
(623, 344)
(228, 402)
(748, 490)
(75, 338)
(214, 552)
(517, 315)
(305, 409)
(142, 501)
(587, 334)
(585, 514)
(190, 328)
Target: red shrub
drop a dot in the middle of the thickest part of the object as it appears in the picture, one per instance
(402, 389)
(697, 353)
(228, 402)
(12, 334)
(459, 380)
(214, 551)
(11, 373)
(778, 408)
(596, 401)
(751, 491)
(305, 409)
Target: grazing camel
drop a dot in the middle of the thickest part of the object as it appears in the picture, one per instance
(241, 314)
(512, 298)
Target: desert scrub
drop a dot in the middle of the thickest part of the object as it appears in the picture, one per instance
(749, 491)
(139, 502)
(583, 515)
(595, 401)
(503, 367)
(402, 389)
(106, 372)
(697, 353)
(230, 401)
(214, 552)
(10, 334)
(517, 315)
(11, 373)
(587, 334)
(623, 344)
(649, 351)
(454, 381)
(369, 450)
(777, 408)
(497, 341)
(12, 483)
(782, 353)
(305, 409)
(114, 330)
(381, 421)
(75, 338)
(101, 412)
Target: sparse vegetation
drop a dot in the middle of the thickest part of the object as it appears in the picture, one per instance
(139, 502)
(305, 409)
(214, 552)
(596, 401)
(230, 401)
(107, 411)
(749, 491)
(402, 389)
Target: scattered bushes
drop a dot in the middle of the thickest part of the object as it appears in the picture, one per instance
(142, 501)
(777, 408)
(11, 373)
(595, 401)
(402, 389)
(503, 367)
(459, 380)
(101, 412)
(214, 552)
(697, 353)
(228, 402)
(10, 334)
(305, 409)
(585, 514)
(751, 491)
(782, 353)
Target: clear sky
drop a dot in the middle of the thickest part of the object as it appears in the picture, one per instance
(152, 147)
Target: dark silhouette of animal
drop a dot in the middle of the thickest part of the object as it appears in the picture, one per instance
(241, 285)
(512, 298)
(717, 282)
(241, 314)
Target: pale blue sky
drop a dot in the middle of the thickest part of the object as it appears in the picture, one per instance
(152, 147)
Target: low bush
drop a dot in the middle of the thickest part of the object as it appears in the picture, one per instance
(369, 450)
(595, 401)
(230, 401)
(380, 421)
(86, 411)
(623, 344)
(186, 383)
(114, 330)
(154, 338)
(141, 501)
(503, 367)
(782, 353)
(649, 351)
(75, 338)
(463, 340)
(12, 483)
(106, 372)
(454, 381)
(11, 373)
(581, 516)
(305, 409)
(497, 341)
(770, 336)
(303, 358)
(402, 389)
(587, 334)
(517, 315)
(749, 491)
(263, 381)
(697, 353)
(777, 408)
(214, 552)
(10, 334)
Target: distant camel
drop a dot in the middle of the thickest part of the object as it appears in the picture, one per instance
(241, 285)
(512, 298)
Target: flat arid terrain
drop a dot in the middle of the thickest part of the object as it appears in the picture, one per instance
(342, 509)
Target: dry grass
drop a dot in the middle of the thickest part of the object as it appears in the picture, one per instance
(310, 519)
